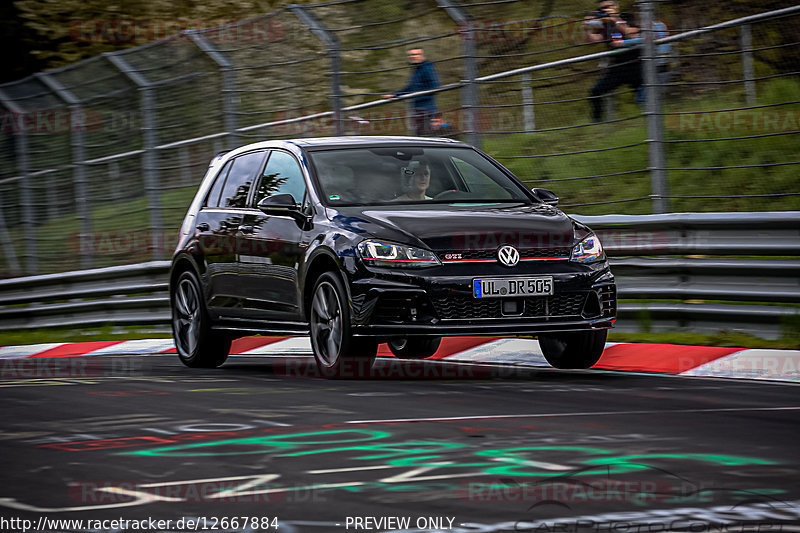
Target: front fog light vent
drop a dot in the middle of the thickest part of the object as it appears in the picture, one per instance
(592, 306)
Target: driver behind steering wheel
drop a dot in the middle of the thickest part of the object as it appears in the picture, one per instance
(415, 181)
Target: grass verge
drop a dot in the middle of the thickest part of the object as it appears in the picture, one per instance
(104, 333)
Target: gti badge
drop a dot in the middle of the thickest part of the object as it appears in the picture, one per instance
(508, 255)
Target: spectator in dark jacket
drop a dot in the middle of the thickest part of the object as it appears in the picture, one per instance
(423, 78)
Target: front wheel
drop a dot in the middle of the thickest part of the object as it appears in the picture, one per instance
(414, 347)
(197, 344)
(337, 352)
(573, 349)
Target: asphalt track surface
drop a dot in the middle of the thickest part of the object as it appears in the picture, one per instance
(446, 446)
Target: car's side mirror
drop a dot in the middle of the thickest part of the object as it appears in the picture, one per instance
(546, 196)
(284, 205)
(279, 204)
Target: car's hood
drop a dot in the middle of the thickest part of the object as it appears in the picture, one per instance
(455, 227)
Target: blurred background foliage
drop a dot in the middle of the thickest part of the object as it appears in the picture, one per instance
(595, 168)
(39, 30)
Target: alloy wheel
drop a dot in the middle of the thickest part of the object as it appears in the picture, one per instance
(326, 323)
(186, 318)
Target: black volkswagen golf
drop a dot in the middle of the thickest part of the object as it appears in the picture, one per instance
(361, 240)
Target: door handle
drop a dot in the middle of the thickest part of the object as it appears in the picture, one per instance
(246, 229)
(203, 226)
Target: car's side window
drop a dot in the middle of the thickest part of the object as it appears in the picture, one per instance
(240, 178)
(282, 175)
(212, 200)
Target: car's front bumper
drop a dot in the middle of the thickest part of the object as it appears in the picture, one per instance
(390, 303)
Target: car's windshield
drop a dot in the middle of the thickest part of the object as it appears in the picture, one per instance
(411, 175)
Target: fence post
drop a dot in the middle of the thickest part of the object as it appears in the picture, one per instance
(118, 193)
(150, 156)
(609, 107)
(655, 134)
(470, 99)
(23, 168)
(332, 45)
(528, 117)
(228, 82)
(747, 63)
(217, 145)
(78, 160)
(183, 161)
(26, 197)
(8, 246)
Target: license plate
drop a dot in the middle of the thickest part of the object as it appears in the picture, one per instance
(505, 287)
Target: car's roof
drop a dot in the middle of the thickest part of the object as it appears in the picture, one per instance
(371, 140)
(320, 143)
(324, 143)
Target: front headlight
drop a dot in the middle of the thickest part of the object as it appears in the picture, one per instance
(379, 253)
(588, 250)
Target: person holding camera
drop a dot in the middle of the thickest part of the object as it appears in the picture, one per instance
(423, 78)
(617, 30)
(602, 25)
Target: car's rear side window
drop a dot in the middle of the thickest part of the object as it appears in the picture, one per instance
(212, 200)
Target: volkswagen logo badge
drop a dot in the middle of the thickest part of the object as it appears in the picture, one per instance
(508, 255)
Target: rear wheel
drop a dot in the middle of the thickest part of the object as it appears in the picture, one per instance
(414, 347)
(574, 349)
(337, 352)
(197, 344)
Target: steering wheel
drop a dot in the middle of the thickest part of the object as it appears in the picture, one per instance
(450, 193)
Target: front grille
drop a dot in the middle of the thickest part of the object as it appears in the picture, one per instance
(565, 304)
(465, 307)
(526, 253)
(458, 307)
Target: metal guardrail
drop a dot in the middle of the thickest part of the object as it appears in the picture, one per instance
(671, 277)
(130, 294)
(667, 278)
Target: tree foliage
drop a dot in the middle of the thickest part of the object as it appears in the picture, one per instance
(70, 30)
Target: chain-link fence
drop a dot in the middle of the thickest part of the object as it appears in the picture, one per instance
(101, 158)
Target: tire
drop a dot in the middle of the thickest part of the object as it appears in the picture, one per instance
(575, 349)
(414, 347)
(337, 352)
(197, 344)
